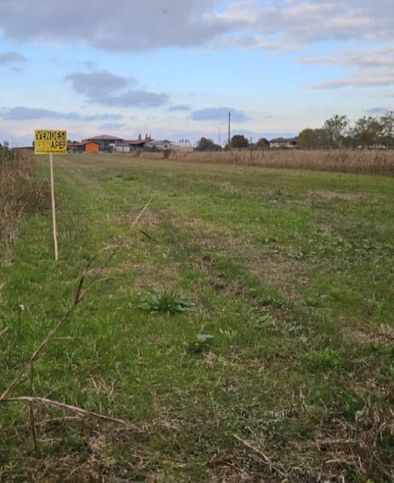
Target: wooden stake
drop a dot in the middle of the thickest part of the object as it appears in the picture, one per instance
(53, 207)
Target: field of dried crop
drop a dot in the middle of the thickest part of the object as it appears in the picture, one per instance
(344, 160)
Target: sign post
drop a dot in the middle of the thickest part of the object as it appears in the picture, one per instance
(53, 207)
(51, 142)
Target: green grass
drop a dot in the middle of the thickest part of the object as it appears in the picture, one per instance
(291, 273)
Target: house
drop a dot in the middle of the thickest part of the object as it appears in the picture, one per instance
(105, 142)
(83, 147)
(164, 145)
(130, 146)
(283, 143)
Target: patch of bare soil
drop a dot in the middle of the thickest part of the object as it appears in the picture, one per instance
(335, 196)
(384, 336)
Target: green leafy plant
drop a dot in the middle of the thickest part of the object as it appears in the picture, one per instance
(167, 302)
(200, 344)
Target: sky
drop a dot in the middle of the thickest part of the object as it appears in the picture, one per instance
(174, 68)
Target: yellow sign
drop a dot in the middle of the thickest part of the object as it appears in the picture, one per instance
(46, 142)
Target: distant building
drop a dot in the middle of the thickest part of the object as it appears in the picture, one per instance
(83, 147)
(184, 146)
(130, 146)
(164, 145)
(105, 142)
(283, 143)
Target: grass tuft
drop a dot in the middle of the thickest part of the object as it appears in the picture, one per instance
(324, 359)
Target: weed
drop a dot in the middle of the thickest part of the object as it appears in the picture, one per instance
(266, 299)
(200, 344)
(166, 302)
(265, 321)
(296, 329)
(296, 255)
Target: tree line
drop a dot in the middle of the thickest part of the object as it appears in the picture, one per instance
(238, 141)
(336, 132)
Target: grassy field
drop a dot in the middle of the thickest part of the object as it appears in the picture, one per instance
(291, 272)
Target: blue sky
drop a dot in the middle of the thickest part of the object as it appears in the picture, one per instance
(172, 68)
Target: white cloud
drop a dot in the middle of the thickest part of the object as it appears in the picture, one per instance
(22, 113)
(218, 114)
(179, 108)
(358, 80)
(139, 25)
(112, 126)
(11, 57)
(365, 58)
(97, 83)
(377, 111)
(103, 87)
(125, 25)
(372, 67)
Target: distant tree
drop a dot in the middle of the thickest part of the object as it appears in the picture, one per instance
(262, 143)
(312, 139)
(335, 130)
(368, 131)
(239, 141)
(387, 124)
(139, 137)
(307, 139)
(205, 144)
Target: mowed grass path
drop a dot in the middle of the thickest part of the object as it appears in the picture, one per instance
(290, 272)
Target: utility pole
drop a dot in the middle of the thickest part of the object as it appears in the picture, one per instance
(229, 130)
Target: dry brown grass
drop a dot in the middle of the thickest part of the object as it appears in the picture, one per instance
(20, 192)
(342, 160)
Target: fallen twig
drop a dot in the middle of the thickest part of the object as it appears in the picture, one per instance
(275, 467)
(83, 413)
(31, 411)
